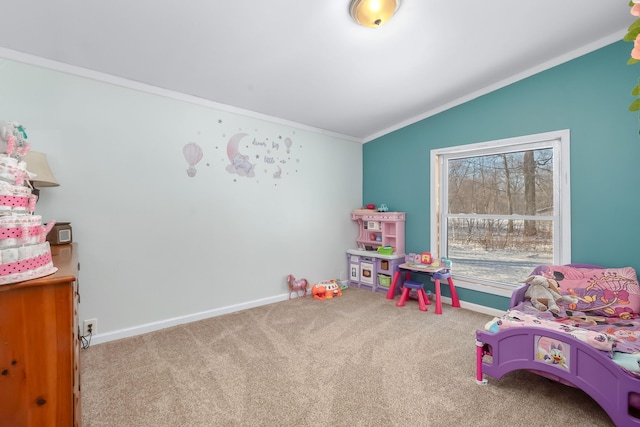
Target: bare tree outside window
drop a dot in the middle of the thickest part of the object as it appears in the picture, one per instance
(498, 212)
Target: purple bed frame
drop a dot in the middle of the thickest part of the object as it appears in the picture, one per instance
(590, 370)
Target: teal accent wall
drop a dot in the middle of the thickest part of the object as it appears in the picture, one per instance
(589, 96)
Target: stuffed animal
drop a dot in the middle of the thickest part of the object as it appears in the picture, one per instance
(544, 294)
(13, 138)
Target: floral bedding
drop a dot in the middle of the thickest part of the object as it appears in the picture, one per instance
(620, 338)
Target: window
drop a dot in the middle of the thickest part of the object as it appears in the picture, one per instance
(500, 208)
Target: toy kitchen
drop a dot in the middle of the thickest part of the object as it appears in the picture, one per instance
(380, 249)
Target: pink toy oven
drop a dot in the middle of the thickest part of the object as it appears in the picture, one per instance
(362, 269)
(367, 272)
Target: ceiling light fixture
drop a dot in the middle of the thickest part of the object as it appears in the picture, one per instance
(373, 13)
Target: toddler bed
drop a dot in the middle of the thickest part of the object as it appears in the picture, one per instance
(592, 342)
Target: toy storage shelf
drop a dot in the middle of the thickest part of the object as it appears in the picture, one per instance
(380, 229)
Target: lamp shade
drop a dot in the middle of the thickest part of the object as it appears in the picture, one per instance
(373, 13)
(37, 164)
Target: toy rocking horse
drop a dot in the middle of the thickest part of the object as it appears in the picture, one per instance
(297, 285)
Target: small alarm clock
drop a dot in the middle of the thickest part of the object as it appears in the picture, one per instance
(60, 234)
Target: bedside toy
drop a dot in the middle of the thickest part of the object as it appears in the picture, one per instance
(326, 290)
(297, 285)
(371, 206)
(383, 208)
(544, 294)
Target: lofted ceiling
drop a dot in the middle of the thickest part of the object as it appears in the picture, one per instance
(307, 62)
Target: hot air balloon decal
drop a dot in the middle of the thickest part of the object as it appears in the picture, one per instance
(193, 154)
(287, 142)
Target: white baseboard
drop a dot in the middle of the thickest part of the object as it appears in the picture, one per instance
(475, 307)
(167, 323)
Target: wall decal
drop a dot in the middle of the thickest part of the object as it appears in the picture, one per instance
(239, 163)
(192, 154)
(248, 154)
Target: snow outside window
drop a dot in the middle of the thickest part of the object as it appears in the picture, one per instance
(500, 208)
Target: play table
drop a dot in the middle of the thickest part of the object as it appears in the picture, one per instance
(403, 272)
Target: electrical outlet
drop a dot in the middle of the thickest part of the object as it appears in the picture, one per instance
(89, 327)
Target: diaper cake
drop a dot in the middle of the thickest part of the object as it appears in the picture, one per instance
(24, 252)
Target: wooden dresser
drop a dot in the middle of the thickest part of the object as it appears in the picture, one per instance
(39, 347)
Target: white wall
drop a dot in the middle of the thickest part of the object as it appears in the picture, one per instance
(158, 247)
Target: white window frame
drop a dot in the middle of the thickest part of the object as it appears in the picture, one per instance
(559, 141)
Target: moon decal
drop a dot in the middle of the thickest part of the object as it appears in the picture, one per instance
(239, 163)
(232, 145)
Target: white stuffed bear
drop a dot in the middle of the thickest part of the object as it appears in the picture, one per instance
(544, 294)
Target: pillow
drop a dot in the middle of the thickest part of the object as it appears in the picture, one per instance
(612, 292)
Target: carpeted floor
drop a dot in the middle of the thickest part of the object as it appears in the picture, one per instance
(355, 360)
